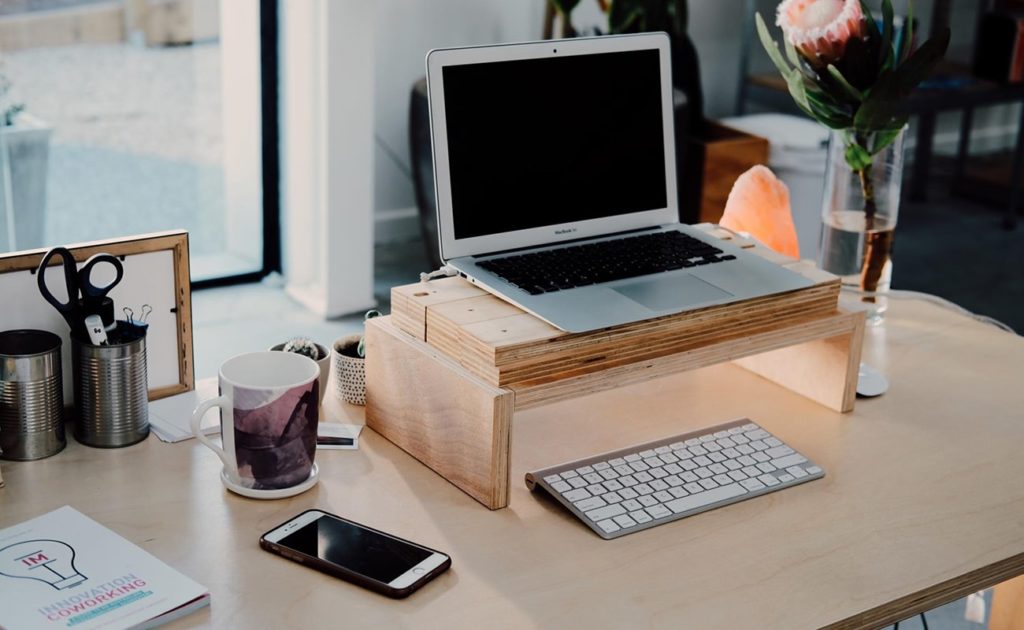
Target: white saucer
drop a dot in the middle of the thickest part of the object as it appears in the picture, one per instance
(253, 493)
(871, 382)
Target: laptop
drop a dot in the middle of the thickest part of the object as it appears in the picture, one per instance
(555, 172)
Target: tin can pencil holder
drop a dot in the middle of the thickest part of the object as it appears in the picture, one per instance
(31, 395)
(111, 390)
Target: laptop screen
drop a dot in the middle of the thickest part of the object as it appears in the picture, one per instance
(541, 142)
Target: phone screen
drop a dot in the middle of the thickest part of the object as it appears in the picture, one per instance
(366, 552)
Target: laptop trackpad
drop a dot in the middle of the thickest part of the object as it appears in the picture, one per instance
(671, 292)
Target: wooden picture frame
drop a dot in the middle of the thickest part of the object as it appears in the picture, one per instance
(167, 252)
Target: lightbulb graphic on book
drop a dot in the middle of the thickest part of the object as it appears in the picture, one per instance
(49, 561)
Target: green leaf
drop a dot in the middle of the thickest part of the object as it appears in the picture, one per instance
(772, 48)
(791, 53)
(908, 35)
(921, 63)
(840, 80)
(886, 54)
(882, 139)
(857, 156)
(879, 106)
(870, 19)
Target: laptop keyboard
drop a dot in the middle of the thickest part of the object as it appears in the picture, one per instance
(592, 263)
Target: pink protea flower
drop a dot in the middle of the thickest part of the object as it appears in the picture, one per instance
(819, 29)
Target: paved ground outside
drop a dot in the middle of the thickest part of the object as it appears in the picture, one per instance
(137, 144)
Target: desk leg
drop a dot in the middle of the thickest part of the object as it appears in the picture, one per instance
(922, 157)
(1010, 220)
(1008, 605)
(438, 412)
(824, 370)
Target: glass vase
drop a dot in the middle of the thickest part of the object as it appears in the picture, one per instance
(859, 212)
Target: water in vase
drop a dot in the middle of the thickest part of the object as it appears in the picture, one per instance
(859, 255)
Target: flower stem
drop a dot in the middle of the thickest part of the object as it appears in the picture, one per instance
(877, 244)
(867, 186)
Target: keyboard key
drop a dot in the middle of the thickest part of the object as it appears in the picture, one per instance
(643, 477)
(668, 458)
(662, 496)
(647, 500)
(704, 473)
(745, 449)
(631, 504)
(693, 488)
(596, 489)
(659, 511)
(758, 445)
(672, 469)
(599, 466)
(577, 482)
(612, 484)
(661, 450)
(628, 481)
(658, 484)
(654, 462)
(737, 475)
(746, 460)
(585, 505)
(778, 451)
(593, 477)
(624, 470)
(773, 441)
(553, 478)
(768, 480)
(569, 474)
(760, 457)
(718, 469)
(647, 453)
(674, 480)
(731, 453)
(639, 466)
(698, 450)
(740, 439)
(750, 426)
(813, 470)
(643, 488)
(735, 430)
(607, 511)
(732, 464)
(608, 526)
(708, 484)
(627, 493)
(611, 497)
(789, 460)
(641, 517)
(631, 458)
(678, 492)
(695, 501)
(721, 434)
(658, 473)
(608, 473)
(758, 434)
(576, 495)
(675, 446)
(706, 438)
(766, 467)
(751, 471)
(618, 461)
(713, 447)
(692, 442)
(688, 464)
(752, 484)
(689, 477)
(584, 470)
(623, 520)
(726, 443)
(560, 486)
(785, 478)
(701, 461)
(722, 480)
(796, 471)
(717, 457)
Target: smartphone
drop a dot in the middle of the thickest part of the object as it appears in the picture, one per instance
(356, 553)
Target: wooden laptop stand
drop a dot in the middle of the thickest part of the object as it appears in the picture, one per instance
(447, 370)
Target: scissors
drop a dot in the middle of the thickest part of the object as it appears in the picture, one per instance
(77, 282)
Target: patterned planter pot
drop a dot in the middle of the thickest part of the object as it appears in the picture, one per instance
(350, 370)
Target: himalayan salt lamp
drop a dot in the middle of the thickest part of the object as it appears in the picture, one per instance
(759, 204)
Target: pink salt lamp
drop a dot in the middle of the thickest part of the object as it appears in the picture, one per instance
(759, 204)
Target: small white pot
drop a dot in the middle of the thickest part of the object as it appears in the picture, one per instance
(349, 371)
(324, 363)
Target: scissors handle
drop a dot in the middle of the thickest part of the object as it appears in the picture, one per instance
(70, 308)
(92, 295)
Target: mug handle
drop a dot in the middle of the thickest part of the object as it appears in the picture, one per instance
(197, 420)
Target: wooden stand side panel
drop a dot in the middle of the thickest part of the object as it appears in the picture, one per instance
(438, 412)
(824, 370)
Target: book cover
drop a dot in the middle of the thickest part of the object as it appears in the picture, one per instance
(64, 570)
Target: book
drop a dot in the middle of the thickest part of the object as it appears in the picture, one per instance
(65, 570)
(170, 418)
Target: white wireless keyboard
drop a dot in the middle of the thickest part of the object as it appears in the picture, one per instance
(625, 491)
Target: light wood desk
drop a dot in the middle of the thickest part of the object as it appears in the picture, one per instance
(923, 502)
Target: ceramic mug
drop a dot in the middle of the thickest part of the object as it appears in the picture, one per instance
(269, 415)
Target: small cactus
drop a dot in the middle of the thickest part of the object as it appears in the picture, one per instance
(361, 349)
(303, 346)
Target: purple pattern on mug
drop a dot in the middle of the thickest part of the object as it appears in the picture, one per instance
(275, 435)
